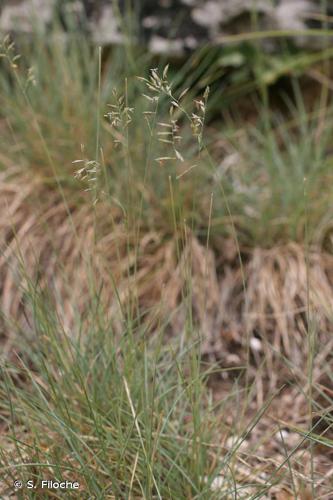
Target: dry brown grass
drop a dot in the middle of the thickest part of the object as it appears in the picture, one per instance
(73, 250)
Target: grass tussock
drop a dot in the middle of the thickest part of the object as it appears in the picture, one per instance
(128, 416)
(166, 284)
(62, 252)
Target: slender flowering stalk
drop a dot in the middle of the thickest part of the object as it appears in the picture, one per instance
(158, 85)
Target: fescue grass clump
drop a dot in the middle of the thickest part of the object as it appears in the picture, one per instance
(120, 178)
(141, 240)
(120, 417)
(126, 415)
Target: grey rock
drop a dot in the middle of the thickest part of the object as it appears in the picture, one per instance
(105, 27)
(25, 15)
(169, 26)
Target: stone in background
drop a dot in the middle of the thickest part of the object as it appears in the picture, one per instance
(170, 26)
